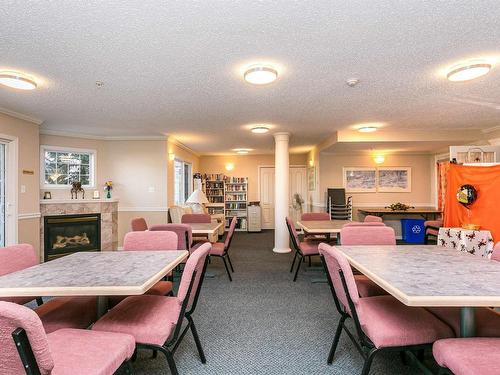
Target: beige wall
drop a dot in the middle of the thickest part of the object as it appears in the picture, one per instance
(27, 135)
(177, 151)
(244, 166)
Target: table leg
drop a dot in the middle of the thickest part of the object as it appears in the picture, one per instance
(102, 305)
(467, 322)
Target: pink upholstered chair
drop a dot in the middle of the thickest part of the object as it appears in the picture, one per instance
(195, 218)
(138, 224)
(372, 219)
(57, 313)
(221, 249)
(312, 216)
(432, 229)
(487, 320)
(468, 356)
(183, 231)
(370, 233)
(27, 349)
(382, 322)
(496, 252)
(303, 249)
(364, 224)
(156, 321)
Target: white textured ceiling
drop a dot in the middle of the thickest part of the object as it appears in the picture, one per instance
(174, 67)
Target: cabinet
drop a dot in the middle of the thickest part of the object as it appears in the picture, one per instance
(254, 217)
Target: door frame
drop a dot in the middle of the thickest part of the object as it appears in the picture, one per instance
(11, 190)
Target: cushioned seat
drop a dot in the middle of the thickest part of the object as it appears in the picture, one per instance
(368, 288)
(309, 247)
(92, 353)
(487, 320)
(217, 248)
(468, 356)
(150, 319)
(161, 288)
(67, 312)
(387, 322)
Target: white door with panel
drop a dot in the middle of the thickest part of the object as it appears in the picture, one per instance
(298, 185)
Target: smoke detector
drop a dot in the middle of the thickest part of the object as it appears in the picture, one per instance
(352, 82)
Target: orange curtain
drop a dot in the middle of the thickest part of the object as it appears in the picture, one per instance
(485, 211)
(442, 173)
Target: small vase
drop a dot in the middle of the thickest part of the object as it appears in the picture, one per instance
(108, 195)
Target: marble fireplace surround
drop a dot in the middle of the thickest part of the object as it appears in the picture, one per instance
(108, 208)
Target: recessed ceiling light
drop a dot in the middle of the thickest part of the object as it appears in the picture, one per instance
(242, 152)
(260, 129)
(367, 129)
(17, 80)
(260, 75)
(468, 71)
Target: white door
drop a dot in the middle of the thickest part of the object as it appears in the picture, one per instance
(2, 195)
(298, 185)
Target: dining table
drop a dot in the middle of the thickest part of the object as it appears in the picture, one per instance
(101, 274)
(328, 227)
(205, 228)
(425, 212)
(431, 276)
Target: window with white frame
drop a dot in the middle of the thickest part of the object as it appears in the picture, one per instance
(182, 181)
(60, 167)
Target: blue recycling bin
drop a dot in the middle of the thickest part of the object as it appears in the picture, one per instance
(413, 230)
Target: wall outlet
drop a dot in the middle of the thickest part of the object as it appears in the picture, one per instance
(23, 188)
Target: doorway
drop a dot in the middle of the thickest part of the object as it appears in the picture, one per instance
(8, 191)
(297, 185)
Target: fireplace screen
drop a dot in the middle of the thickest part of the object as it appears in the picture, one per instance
(70, 234)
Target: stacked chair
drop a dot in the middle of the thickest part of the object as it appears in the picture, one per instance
(339, 207)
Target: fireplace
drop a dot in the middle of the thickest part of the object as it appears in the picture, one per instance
(67, 234)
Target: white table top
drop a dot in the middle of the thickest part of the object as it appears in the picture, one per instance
(93, 273)
(421, 275)
(322, 226)
(205, 228)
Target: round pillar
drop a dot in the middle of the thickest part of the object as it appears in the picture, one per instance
(281, 193)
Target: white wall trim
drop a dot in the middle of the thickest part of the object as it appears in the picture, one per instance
(30, 215)
(183, 146)
(103, 137)
(142, 209)
(21, 116)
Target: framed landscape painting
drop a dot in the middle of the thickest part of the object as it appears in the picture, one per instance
(394, 179)
(360, 180)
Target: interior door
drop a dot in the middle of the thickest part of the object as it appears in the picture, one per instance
(2, 195)
(266, 179)
(298, 185)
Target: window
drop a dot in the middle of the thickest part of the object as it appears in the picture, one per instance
(182, 181)
(62, 166)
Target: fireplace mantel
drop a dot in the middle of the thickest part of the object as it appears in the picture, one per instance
(108, 208)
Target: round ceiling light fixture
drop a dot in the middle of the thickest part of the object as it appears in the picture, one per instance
(260, 75)
(261, 129)
(17, 80)
(468, 71)
(242, 151)
(367, 129)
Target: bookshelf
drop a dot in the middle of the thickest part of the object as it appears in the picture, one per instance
(236, 201)
(213, 187)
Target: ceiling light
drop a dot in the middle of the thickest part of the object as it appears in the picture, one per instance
(260, 75)
(229, 166)
(17, 80)
(468, 71)
(242, 151)
(260, 129)
(379, 159)
(367, 129)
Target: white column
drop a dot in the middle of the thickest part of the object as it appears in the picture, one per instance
(281, 193)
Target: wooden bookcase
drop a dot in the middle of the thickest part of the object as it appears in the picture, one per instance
(236, 201)
(213, 186)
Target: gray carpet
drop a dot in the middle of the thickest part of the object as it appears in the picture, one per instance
(263, 323)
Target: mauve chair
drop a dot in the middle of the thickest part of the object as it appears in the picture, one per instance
(432, 229)
(303, 249)
(184, 234)
(468, 356)
(382, 323)
(487, 320)
(496, 252)
(315, 216)
(138, 224)
(364, 224)
(27, 349)
(371, 233)
(372, 219)
(221, 249)
(156, 321)
(195, 218)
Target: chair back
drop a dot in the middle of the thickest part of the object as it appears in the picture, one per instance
(230, 232)
(319, 216)
(12, 317)
(373, 219)
(196, 262)
(147, 241)
(293, 232)
(496, 252)
(196, 218)
(363, 224)
(15, 258)
(138, 224)
(183, 231)
(335, 262)
(367, 235)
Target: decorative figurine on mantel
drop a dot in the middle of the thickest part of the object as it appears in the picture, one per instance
(108, 186)
(76, 188)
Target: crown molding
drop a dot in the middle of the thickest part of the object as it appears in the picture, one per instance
(21, 116)
(183, 146)
(104, 138)
(491, 130)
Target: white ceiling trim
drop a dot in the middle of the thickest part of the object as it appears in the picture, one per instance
(183, 146)
(21, 116)
(104, 138)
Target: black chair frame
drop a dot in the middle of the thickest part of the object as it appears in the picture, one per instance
(170, 346)
(362, 343)
(298, 253)
(225, 255)
(28, 358)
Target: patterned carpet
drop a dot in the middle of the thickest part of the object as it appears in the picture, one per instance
(263, 323)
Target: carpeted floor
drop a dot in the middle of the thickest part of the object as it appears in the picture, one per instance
(263, 323)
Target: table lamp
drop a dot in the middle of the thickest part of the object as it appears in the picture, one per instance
(197, 199)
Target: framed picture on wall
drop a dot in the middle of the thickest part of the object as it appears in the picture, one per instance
(311, 178)
(360, 179)
(394, 179)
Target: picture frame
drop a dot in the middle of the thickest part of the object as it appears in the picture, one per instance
(360, 179)
(394, 179)
(311, 178)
